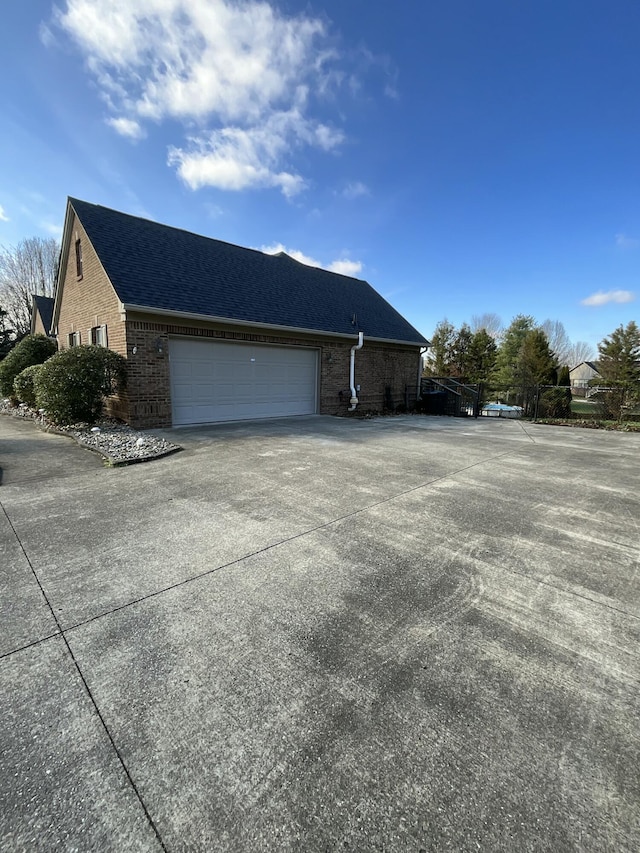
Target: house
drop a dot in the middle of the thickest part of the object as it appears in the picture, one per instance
(214, 332)
(581, 375)
(41, 314)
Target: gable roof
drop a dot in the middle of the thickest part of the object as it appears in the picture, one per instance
(44, 306)
(153, 266)
(594, 365)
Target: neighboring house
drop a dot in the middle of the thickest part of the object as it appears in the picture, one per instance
(41, 314)
(215, 332)
(581, 375)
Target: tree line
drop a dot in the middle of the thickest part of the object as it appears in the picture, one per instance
(524, 352)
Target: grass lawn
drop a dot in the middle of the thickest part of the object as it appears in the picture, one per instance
(584, 407)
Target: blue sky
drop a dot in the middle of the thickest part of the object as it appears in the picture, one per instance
(462, 156)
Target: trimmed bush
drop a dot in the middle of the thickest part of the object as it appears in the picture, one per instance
(24, 385)
(34, 349)
(73, 383)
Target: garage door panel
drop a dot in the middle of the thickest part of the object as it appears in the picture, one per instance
(217, 381)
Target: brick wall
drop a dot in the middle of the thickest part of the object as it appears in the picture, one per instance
(378, 366)
(90, 300)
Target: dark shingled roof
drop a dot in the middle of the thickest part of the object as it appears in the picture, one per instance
(157, 266)
(44, 306)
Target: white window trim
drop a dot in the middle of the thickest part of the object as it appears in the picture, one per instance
(98, 336)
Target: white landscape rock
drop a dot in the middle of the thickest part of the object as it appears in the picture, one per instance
(117, 442)
(120, 443)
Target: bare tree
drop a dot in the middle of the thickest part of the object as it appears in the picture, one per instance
(579, 352)
(491, 323)
(559, 342)
(25, 269)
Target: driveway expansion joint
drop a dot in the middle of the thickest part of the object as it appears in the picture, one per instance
(85, 685)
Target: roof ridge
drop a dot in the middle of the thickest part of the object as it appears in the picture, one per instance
(156, 265)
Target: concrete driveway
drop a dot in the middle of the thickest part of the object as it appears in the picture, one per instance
(317, 634)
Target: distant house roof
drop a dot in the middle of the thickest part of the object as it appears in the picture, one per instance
(44, 306)
(154, 266)
(594, 365)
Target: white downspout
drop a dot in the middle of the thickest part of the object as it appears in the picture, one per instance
(352, 371)
(423, 351)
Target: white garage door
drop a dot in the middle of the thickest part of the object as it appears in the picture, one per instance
(220, 381)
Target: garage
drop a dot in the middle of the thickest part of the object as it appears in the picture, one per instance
(215, 381)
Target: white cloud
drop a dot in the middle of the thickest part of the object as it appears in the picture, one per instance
(239, 73)
(127, 127)
(343, 266)
(276, 248)
(355, 189)
(603, 298)
(625, 242)
(3, 215)
(235, 158)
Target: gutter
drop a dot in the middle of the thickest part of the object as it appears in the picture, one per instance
(229, 321)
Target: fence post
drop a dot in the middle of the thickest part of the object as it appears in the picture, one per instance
(535, 410)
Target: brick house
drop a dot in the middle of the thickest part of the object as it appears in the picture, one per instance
(41, 314)
(213, 331)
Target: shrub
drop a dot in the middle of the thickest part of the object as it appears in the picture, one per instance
(34, 349)
(71, 386)
(555, 403)
(24, 385)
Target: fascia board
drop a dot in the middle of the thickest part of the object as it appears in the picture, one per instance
(209, 318)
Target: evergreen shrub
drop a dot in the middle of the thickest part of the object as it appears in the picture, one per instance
(24, 385)
(33, 349)
(73, 383)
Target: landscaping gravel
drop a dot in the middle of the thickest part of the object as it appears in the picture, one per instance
(118, 443)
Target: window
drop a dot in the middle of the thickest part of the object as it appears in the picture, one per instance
(78, 258)
(73, 339)
(99, 336)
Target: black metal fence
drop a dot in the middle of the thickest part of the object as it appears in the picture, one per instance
(442, 395)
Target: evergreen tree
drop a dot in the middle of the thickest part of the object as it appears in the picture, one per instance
(508, 354)
(460, 347)
(439, 355)
(536, 364)
(481, 356)
(619, 359)
(619, 366)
